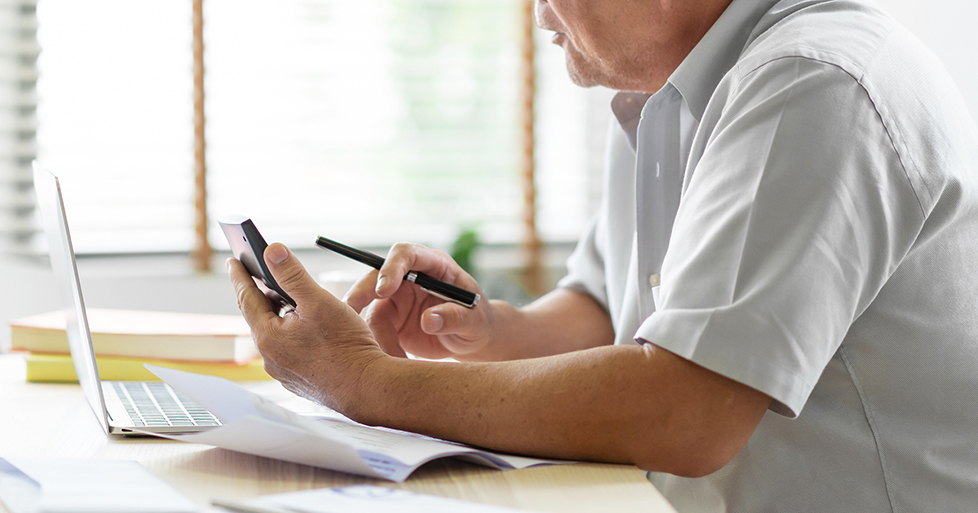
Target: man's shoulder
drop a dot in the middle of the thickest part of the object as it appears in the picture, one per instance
(859, 60)
(847, 34)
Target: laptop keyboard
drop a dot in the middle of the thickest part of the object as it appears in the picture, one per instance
(155, 404)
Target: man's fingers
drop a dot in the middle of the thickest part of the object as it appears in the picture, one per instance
(446, 319)
(362, 292)
(460, 330)
(379, 318)
(399, 261)
(252, 302)
(412, 257)
(291, 275)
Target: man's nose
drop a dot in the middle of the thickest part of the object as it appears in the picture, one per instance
(542, 12)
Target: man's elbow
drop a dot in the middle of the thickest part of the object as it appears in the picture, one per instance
(697, 422)
(693, 457)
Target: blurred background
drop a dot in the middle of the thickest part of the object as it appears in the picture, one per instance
(443, 122)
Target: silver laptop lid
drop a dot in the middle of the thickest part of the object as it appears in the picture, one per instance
(49, 198)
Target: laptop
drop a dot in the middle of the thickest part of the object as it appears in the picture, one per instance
(122, 407)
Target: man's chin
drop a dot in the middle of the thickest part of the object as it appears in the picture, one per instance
(583, 80)
(581, 76)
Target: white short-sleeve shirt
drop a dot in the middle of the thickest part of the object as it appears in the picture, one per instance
(797, 210)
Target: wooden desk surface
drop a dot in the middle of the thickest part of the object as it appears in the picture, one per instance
(55, 420)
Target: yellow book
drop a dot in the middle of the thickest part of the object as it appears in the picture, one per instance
(58, 368)
(160, 335)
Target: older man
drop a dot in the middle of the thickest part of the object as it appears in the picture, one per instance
(776, 307)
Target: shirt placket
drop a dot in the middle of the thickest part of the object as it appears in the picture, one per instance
(658, 187)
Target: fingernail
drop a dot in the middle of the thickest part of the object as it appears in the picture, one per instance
(277, 254)
(437, 322)
(381, 282)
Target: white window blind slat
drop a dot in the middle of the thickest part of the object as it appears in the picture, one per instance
(18, 126)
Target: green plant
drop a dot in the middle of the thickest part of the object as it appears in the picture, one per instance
(463, 249)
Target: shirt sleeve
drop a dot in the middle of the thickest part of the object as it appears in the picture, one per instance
(792, 220)
(585, 267)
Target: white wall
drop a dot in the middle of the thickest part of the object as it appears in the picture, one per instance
(950, 29)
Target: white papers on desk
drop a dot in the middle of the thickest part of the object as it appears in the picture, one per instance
(62, 485)
(368, 499)
(254, 425)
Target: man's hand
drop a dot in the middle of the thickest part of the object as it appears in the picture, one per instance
(403, 317)
(319, 349)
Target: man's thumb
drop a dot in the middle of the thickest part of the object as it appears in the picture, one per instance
(289, 273)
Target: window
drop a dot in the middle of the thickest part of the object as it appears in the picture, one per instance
(115, 120)
(18, 77)
(370, 122)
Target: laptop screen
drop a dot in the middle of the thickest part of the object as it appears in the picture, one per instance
(51, 204)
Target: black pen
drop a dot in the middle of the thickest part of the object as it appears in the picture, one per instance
(433, 286)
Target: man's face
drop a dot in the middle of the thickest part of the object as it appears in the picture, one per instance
(629, 45)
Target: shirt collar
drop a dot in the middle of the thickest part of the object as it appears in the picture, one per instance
(698, 75)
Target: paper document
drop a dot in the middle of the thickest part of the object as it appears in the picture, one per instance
(62, 485)
(255, 425)
(361, 499)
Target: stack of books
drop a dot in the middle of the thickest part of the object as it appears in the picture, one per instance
(217, 345)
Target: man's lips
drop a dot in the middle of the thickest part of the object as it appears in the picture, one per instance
(558, 38)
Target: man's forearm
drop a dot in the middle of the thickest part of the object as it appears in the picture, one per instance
(637, 405)
(560, 322)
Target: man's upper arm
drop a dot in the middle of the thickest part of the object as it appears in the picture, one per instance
(793, 218)
(705, 418)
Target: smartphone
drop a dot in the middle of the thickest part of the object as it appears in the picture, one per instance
(248, 246)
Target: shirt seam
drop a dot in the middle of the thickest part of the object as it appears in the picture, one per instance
(873, 428)
(889, 133)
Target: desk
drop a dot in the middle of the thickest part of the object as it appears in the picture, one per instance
(55, 420)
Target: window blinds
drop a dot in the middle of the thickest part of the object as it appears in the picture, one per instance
(371, 122)
(18, 101)
(115, 120)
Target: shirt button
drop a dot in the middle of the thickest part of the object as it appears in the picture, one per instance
(654, 280)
